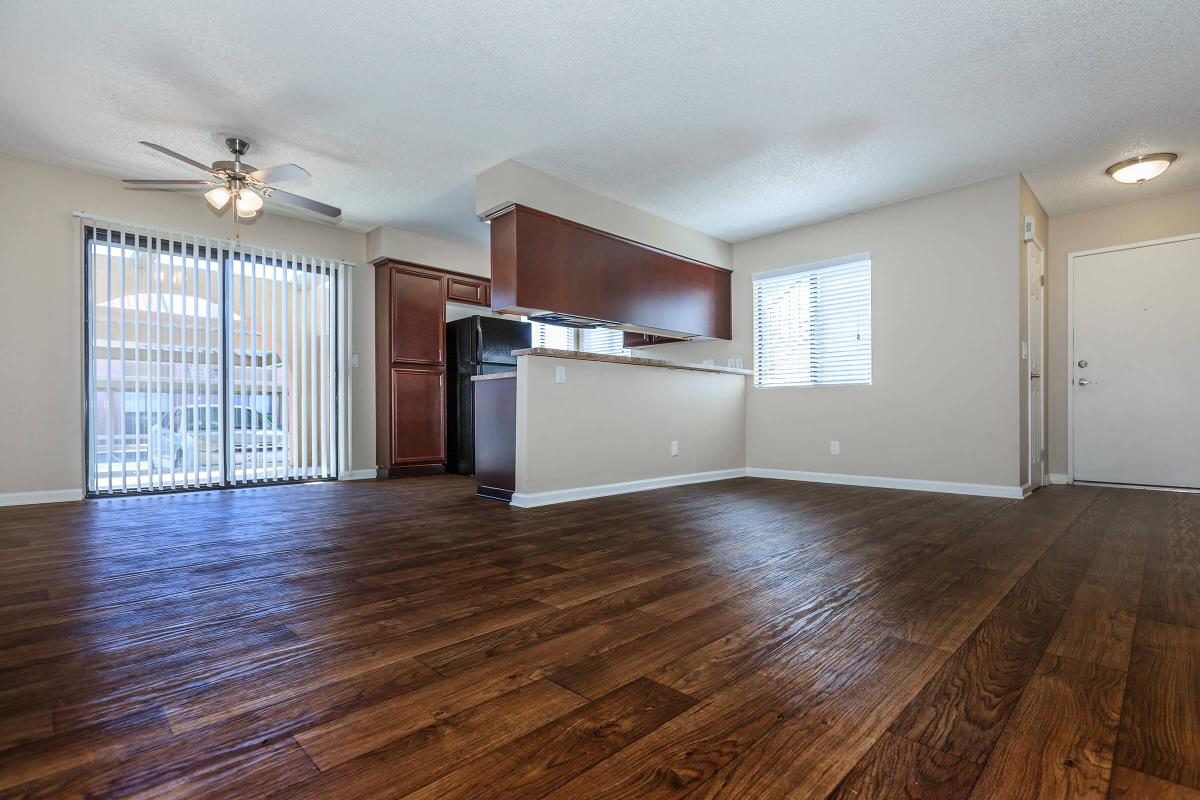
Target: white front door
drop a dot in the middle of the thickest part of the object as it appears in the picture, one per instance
(1136, 370)
(1037, 357)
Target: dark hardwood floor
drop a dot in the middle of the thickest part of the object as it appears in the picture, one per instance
(742, 639)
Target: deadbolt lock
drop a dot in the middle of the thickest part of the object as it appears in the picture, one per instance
(1082, 363)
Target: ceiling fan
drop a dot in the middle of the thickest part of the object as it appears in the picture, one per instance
(236, 181)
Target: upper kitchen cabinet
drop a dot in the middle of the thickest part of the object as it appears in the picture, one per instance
(546, 264)
(462, 289)
(631, 340)
(417, 310)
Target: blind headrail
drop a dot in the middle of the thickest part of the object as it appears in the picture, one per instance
(236, 243)
(828, 262)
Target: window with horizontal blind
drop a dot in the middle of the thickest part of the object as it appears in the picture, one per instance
(812, 324)
(587, 340)
(555, 337)
(606, 341)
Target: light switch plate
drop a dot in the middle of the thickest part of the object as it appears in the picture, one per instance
(353, 360)
(560, 374)
(835, 448)
(674, 448)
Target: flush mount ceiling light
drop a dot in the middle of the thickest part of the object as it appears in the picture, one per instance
(1140, 168)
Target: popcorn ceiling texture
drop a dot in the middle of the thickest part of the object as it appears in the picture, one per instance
(734, 118)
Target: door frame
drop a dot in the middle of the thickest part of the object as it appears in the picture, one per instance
(1070, 372)
(1041, 360)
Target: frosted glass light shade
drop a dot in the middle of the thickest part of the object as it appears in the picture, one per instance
(217, 197)
(248, 203)
(1141, 168)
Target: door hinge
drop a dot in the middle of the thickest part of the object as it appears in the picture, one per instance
(1042, 279)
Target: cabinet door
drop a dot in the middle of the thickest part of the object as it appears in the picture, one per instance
(466, 290)
(418, 317)
(418, 416)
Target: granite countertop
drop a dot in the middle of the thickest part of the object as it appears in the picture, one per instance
(634, 360)
(494, 377)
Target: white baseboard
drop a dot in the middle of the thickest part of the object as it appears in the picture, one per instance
(358, 475)
(1026, 489)
(947, 487)
(30, 498)
(1057, 477)
(534, 499)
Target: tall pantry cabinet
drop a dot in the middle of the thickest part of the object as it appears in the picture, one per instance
(410, 362)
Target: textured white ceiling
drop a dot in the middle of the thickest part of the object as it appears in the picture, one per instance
(735, 118)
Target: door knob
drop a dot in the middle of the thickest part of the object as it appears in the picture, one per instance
(1085, 382)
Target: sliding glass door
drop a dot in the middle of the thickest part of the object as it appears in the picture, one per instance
(210, 363)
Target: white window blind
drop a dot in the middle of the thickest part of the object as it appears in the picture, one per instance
(211, 362)
(812, 324)
(555, 337)
(602, 340)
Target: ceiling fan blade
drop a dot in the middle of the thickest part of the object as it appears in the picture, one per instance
(280, 172)
(303, 202)
(167, 152)
(170, 182)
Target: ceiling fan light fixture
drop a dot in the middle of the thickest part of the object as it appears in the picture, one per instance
(248, 203)
(1140, 169)
(217, 197)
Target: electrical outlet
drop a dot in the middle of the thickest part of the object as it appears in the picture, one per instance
(560, 374)
(674, 448)
(353, 360)
(835, 448)
(739, 363)
(731, 362)
(708, 362)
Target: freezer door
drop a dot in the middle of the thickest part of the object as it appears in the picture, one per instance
(497, 338)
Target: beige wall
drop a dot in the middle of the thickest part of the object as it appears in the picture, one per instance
(612, 423)
(1029, 206)
(1157, 217)
(41, 435)
(944, 404)
(468, 257)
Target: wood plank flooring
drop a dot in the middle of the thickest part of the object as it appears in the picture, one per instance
(742, 639)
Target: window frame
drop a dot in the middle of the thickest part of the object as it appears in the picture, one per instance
(815, 266)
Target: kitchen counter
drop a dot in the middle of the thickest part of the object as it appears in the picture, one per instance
(499, 376)
(638, 361)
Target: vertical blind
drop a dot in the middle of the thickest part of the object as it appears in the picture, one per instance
(812, 324)
(211, 362)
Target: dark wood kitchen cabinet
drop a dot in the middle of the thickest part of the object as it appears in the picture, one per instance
(418, 415)
(410, 362)
(468, 290)
(545, 263)
(630, 340)
(417, 310)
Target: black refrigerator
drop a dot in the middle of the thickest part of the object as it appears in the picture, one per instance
(475, 346)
